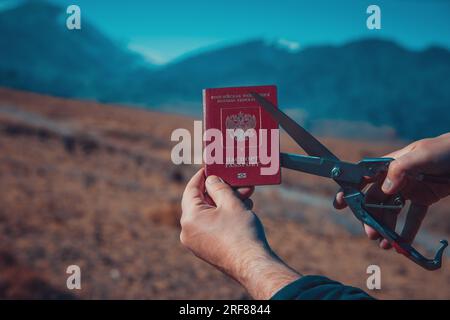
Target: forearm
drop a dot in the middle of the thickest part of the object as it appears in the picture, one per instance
(263, 274)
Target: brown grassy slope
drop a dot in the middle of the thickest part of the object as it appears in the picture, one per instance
(89, 184)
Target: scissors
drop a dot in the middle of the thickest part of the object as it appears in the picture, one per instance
(350, 177)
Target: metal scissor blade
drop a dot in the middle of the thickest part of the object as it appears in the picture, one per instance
(341, 172)
(304, 139)
(312, 165)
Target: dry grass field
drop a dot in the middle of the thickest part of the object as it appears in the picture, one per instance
(93, 185)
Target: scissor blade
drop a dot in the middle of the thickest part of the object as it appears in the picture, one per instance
(304, 139)
(342, 172)
(312, 165)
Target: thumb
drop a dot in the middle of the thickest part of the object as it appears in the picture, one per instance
(396, 175)
(220, 192)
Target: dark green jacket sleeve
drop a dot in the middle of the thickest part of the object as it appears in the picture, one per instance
(319, 288)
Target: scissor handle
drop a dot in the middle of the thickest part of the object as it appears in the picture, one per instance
(355, 200)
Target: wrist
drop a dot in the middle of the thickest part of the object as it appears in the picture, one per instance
(262, 273)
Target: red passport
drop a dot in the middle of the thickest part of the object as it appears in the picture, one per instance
(241, 139)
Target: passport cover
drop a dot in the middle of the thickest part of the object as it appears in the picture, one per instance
(234, 108)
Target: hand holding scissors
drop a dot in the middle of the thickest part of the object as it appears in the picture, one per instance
(352, 177)
(430, 156)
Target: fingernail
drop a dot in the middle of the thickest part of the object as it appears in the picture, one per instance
(384, 244)
(336, 204)
(387, 185)
(213, 180)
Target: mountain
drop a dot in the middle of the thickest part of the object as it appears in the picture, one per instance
(39, 53)
(374, 81)
(371, 82)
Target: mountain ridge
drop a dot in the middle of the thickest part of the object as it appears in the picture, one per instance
(40, 54)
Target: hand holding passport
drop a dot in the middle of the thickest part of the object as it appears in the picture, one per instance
(242, 139)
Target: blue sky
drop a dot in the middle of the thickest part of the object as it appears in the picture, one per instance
(163, 29)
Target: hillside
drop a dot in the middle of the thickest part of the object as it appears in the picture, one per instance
(40, 54)
(92, 184)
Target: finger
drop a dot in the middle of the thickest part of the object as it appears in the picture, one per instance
(384, 244)
(397, 168)
(196, 182)
(399, 153)
(208, 200)
(395, 177)
(248, 203)
(386, 217)
(397, 173)
(339, 202)
(375, 195)
(244, 192)
(193, 193)
(389, 220)
(220, 192)
(414, 218)
(372, 234)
